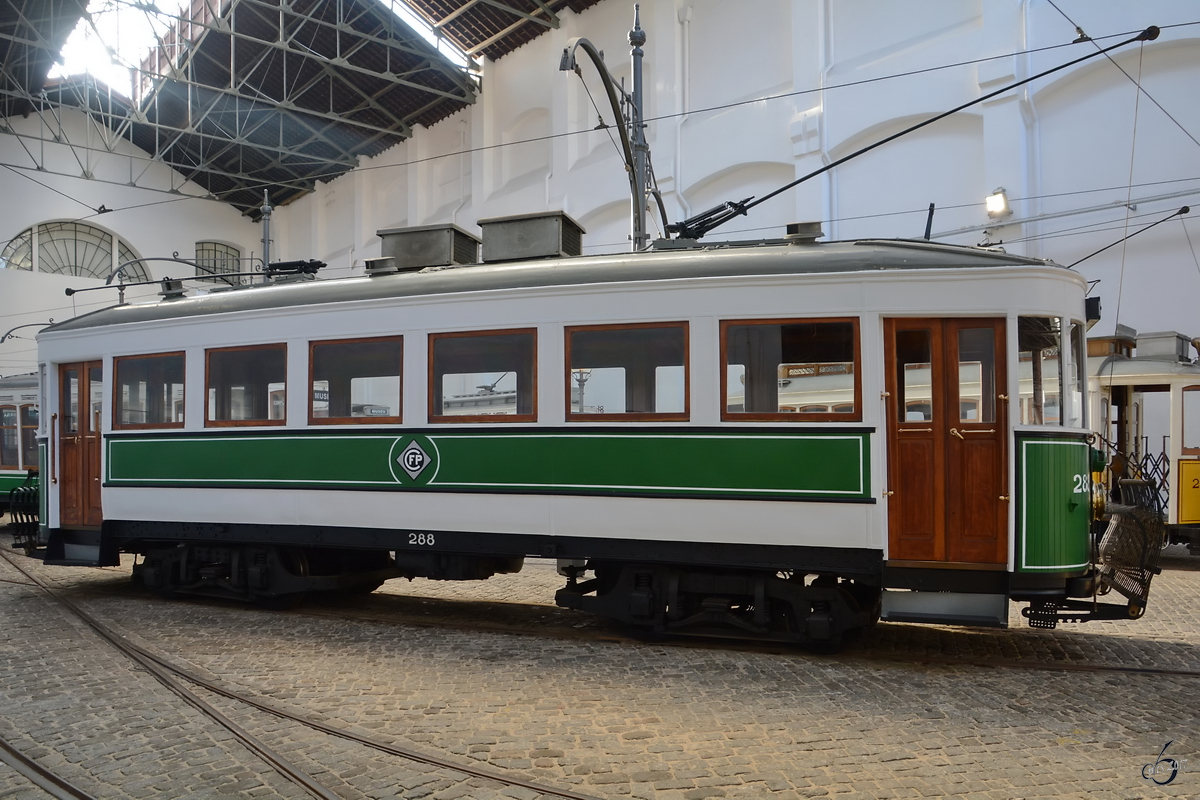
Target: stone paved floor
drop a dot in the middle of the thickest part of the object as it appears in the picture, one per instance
(608, 716)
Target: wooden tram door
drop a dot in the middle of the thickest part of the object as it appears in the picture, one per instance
(947, 417)
(79, 443)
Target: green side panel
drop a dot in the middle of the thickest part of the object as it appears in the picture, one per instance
(250, 459)
(11, 479)
(783, 465)
(1054, 491)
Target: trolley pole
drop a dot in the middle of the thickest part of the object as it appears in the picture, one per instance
(637, 135)
(627, 111)
(266, 220)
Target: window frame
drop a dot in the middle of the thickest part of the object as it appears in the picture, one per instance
(244, 423)
(21, 430)
(116, 404)
(231, 252)
(395, 419)
(638, 416)
(789, 416)
(1183, 420)
(1025, 404)
(431, 382)
(16, 428)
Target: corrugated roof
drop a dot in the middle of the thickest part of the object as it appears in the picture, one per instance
(247, 95)
(494, 28)
(32, 33)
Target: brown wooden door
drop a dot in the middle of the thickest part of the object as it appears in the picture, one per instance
(79, 443)
(946, 440)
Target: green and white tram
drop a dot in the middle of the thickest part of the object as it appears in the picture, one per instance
(785, 439)
(18, 433)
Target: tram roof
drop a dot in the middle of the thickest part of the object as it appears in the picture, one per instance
(1142, 370)
(715, 261)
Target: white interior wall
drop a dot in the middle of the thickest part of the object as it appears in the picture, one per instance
(1063, 135)
(159, 216)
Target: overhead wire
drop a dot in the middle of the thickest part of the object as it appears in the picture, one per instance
(254, 185)
(548, 137)
(1137, 83)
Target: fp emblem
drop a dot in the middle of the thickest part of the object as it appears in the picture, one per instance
(413, 460)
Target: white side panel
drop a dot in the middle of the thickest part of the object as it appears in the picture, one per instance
(646, 519)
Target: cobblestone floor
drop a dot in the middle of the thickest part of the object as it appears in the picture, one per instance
(606, 715)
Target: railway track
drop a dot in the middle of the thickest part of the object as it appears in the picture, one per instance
(545, 621)
(54, 785)
(176, 678)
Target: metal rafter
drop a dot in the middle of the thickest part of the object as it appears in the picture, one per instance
(272, 93)
(459, 76)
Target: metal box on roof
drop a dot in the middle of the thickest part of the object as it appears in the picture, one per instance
(1164, 345)
(543, 235)
(428, 246)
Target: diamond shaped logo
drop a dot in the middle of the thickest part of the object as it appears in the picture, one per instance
(413, 460)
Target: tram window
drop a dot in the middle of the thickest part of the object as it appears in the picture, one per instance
(149, 391)
(1075, 411)
(1039, 343)
(796, 370)
(914, 349)
(976, 375)
(355, 381)
(1191, 420)
(9, 437)
(246, 386)
(627, 372)
(483, 377)
(29, 428)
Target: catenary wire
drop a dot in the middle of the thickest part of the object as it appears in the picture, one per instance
(1137, 83)
(257, 185)
(720, 107)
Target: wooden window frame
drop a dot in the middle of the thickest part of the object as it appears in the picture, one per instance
(16, 407)
(116, 404)
(431, 383)
(638, 416)
(244, 423)
(25, 465)
(1184, 450)
(395, 419)
(790, 416)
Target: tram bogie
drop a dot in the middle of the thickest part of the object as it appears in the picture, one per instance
(766, 605)
(260, 573)
(782, 440)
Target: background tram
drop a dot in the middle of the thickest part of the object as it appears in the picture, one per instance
(18, 433)
(784, 439)
(1129, 373)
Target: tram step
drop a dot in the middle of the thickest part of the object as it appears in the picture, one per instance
(946, 608)
(80, 548)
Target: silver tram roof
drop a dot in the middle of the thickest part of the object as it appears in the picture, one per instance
(716, 261)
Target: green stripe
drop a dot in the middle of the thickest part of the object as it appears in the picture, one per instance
(11, 479)
(774, 464)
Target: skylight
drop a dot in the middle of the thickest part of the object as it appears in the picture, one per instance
(121, 33)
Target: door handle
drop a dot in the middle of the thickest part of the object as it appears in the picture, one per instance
(954, 432)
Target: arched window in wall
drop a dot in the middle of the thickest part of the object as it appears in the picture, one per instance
(70, 248)
(214, 258)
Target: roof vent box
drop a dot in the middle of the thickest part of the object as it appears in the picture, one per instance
(1164, 346)
(544, 235)
(428, 246)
